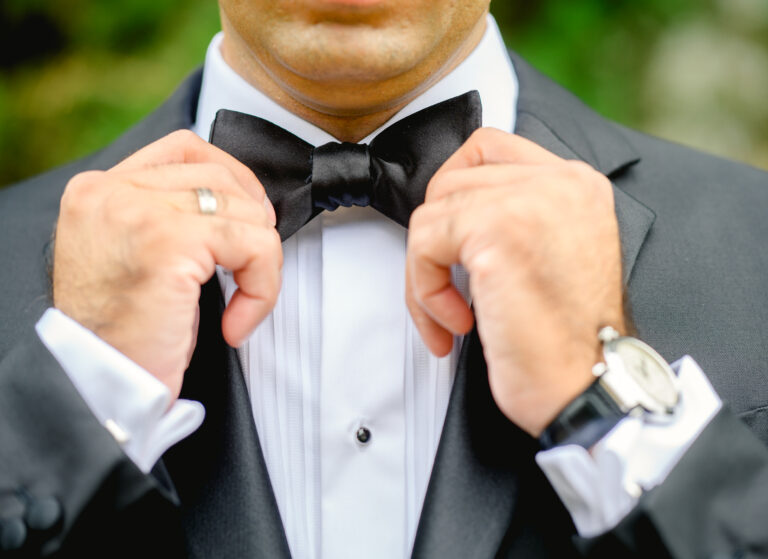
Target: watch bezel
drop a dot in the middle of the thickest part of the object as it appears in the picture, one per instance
(621, 381)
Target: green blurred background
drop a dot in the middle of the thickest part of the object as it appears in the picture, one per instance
(75, 73)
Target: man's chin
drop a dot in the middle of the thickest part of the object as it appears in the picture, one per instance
(353, 4)
(343, 53)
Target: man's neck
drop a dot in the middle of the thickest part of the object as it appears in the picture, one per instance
(369, 105)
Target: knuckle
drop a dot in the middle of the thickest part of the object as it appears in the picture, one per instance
(446, 185)
(508, 211)
(121, 207)
(483, 263)
(156, 235)
(417, 221)
(598, 186)
(482, 135)
(418, 240)
(476, 136)
(224, 228)
(182, 136)
(583, 172)
(484, 138)
(79, 187)
(259, 245)
(421, 292)
(179, 142)
(476, 141)
(579, 168)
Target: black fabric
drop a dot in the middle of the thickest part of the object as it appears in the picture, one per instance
(229, 508)
(693, 234)
(586, 420)
(391, 174)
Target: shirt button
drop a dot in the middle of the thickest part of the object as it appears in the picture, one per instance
(363, 435)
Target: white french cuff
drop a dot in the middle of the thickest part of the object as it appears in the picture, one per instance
(600, 487)
(130, 402)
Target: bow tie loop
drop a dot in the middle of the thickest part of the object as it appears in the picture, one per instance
(341, 175)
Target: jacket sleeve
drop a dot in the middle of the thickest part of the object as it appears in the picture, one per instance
(66, 487)
(714, 503)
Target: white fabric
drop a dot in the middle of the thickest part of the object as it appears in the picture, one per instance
(599, 487)
(123, 396)
(338, 351)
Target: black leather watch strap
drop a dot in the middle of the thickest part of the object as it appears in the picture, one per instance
(584, 421)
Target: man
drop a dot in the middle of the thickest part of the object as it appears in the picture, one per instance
(321, 434)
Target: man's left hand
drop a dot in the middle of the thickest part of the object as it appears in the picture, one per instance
(539, 237)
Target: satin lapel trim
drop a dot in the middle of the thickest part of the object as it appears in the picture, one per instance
(228, 506)
(487, 497)
(471, 493)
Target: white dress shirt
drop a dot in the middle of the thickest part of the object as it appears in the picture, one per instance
(340, 353)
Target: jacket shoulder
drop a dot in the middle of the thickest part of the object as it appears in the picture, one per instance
(29, 209)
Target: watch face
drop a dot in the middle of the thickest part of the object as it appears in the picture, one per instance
(654, 377)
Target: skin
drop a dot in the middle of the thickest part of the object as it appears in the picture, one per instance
(539, 238)
(537, 234)
(132, 251)
(346, 65)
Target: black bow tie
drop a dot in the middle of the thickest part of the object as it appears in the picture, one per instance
(391, 174)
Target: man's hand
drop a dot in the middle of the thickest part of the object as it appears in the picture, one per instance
(132, 250)
(539, 238)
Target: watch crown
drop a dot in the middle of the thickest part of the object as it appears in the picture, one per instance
(607, 334)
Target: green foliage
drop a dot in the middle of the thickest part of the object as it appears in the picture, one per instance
(76, 73)
(114, 62)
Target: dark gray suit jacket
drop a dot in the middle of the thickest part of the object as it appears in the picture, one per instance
(693, 231)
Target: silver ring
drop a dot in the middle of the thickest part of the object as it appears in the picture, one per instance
(206, 201)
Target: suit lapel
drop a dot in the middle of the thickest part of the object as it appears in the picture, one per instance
(635, 219)
(229, 509)
(559, 122)
(486, 496)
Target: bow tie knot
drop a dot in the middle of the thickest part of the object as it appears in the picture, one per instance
(341, 175)
(391, 174)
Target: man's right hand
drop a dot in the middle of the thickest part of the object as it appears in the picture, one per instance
(132, 250)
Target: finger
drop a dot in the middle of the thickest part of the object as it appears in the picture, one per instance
(254, 254)
(184, 146)
(489, 146)
(188, 176)
(245, 311)
(258, 287)
(438, 340)
(432, 249)
(185, 179)
(230, 207)
(435, 294)
(489, 176)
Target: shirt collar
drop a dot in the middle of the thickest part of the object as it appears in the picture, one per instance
(487, 69)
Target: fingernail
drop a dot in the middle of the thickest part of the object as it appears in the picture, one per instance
(270, 211)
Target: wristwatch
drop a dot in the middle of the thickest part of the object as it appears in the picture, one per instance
(633, 380)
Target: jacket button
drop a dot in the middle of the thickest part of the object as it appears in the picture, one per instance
(13, 534)
(42, 513)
